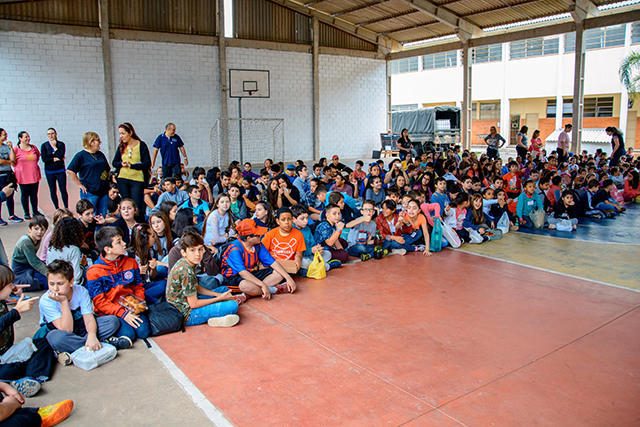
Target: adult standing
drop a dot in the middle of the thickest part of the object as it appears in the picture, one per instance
(404, 144)
(564, 143)
(170, 145)
(617, 145)
(522, 141)
(27, 173)
(133, 163)
(494, 142)
(89, 169)
(53, 155)
(7, 158)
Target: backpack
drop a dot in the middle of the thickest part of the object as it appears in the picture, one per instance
(217, 257)
(164, 318)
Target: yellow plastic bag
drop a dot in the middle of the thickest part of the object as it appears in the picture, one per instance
(317, 269)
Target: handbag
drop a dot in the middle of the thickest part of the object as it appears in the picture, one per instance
(317, 269)
(451, 236)
(88, 360)
(435, 243)
(164, 318)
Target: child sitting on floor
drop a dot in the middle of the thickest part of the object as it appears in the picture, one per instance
(396, 230)
(65, 245)
(66, 316)
(528, 201)
(238, 207)
(300, 221)
(476, 219)
(198, 305)
(145, 249)
(565, 209)
(418, 221)
(114, 275)
(362, 233)
(44, 244)
(220, 223)
(328, 232)
(27, 376)
(199, 207)
(456, 213)
(285, 243)
(27, 267)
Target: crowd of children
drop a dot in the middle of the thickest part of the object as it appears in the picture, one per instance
(206, 244)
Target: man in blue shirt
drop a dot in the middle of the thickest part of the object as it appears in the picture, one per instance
(170, 145)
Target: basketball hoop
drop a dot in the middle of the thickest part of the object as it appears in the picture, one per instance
(251, 92)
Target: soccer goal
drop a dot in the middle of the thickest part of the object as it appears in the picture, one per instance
(246, 140)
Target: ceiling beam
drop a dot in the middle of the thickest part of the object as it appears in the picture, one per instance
(582, 9)
(506, 6)
(463, 28)
(408, 27)
(358, 8)
(386, 18)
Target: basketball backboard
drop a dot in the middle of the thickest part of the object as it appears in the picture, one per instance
(249, 83)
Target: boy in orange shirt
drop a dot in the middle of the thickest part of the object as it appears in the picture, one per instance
(285, 243)
(513, 181)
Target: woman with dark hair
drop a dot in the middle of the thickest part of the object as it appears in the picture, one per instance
(53, 155)
(89, 169)
(270, 194)
(404, 144)
(288, 194)
(133, 162)
(494, 142)
(7, 158)
(27, 173)
(66, 239)
(522, 143)
(617, 145)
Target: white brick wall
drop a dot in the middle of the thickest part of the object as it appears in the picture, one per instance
(291, 75)
(156, 83)
(51, 81)
(352, 105)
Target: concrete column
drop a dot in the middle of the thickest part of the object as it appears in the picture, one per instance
(315, 37)
(389, 113)
(505, 107)
(578, 89)
(222, 61)
(559, 77)
(466, 96)
(624, 95)
(108, 75)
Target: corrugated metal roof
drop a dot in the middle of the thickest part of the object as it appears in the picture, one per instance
(597, 136)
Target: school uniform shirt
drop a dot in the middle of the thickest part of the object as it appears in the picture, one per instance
(284, 247)
(50, 310)
(236, 259)
(181, 283)
(108, 280)
(169, 148)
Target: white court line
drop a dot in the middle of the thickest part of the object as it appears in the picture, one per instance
(213, 413)
(574, 239)
(549, 271)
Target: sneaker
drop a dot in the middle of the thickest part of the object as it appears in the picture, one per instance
(420, 248)
(120, 343)
(365, 257)
(224, 322)
(399, 251)
(14, 218)
(27, 217)
(54, 414)
(3, 222)
(385, 252)
(240, 298)
(282, 288)
(27, 386)
(334, 263)
(552, 226)
(64, 358)
(14, 299)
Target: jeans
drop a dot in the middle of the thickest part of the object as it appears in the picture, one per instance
(201, 315)
(134, 190)
(62, 341)
(29, 193)
(61, 180)
(171, 170)
(492, 153)
(153, 291)
(27, 275)
(528, 223)
(210, 282)
(357, 250)
(23, 417)
(38, 366)
(562, 156)
(409, 241)
(522, 153)
(99, 202)
(615, 157)
(142, 331)
(4, 181)
(605, 206)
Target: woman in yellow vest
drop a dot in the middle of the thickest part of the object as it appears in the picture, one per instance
(133, 162)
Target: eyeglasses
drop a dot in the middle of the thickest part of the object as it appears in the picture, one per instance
(368, 210)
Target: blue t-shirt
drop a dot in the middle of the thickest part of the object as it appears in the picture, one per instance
(324, 230)
(198, 211)
(50, 309)
(236, 259)
(93, 171)
(169, 148)
(442, 200)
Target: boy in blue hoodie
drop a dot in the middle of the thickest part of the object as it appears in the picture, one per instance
(528, 201)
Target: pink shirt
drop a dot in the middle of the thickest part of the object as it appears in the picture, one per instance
(563, 142)
(27, 168)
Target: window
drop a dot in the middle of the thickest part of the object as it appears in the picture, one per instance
(405, 65)
(490, 53)
(440, 60)
(635, 32)
(405, 107)
(567, 108)
(598, 107)
(534, 47)
(489, 111)
(598, 38)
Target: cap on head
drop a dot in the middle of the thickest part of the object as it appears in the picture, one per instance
(335, 157)
(248, 227)
(291, 167)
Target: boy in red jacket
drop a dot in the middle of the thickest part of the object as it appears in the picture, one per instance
(114, 275)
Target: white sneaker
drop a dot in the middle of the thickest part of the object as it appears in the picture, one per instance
(224, 322)
(399, 251)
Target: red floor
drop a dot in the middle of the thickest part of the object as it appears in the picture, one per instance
(452, 340)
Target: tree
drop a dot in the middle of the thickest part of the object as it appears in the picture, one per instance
(629, 75)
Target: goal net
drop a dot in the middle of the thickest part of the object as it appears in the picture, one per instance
(246, 140)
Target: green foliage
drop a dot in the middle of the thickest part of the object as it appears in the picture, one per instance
(629, 75)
